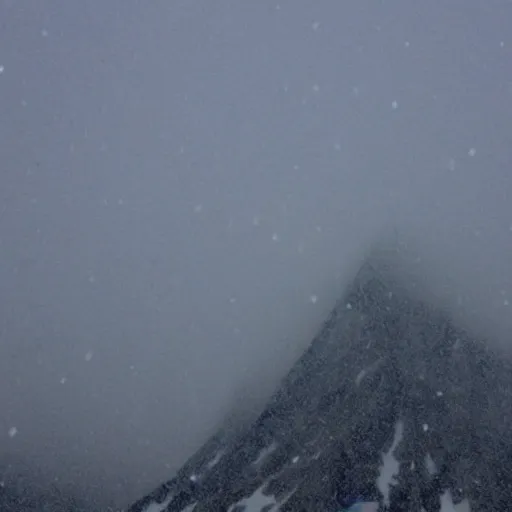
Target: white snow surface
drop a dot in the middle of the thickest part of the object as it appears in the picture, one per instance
(430, 464)
(448, 506)
(360, 376)
(369, 506)
(256, 502)
(390, 465)
(265, 452)
(215, 459)
(158, 507)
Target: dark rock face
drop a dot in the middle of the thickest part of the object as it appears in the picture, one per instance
(391, 407)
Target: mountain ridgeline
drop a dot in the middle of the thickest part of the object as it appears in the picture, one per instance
(391, 408)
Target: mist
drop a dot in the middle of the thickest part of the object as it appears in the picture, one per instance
(187, 187)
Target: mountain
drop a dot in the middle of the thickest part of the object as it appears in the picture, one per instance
(391, 408)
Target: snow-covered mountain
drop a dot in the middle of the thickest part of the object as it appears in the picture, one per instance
(391, 408)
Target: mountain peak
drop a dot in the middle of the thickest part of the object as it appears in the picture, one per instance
(392, 407)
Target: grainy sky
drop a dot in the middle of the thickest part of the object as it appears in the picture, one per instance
(186, 186)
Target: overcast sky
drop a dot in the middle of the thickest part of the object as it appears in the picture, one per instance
(185, 187)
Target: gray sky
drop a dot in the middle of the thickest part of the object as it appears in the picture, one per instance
(186, 186)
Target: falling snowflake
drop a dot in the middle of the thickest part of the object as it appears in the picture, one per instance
(316, 25)
(275, 237)
(407, 44)
(232, 300)
(198, 208)
(349, 306)
(394, 105)
(2, 69)
(439, 393)
(88, 356)
(44, 32)
(316, 88)
(505, 302)
(295, 459)
(12, 431)
(63, 380)
(425, 427)
(313, 299)
(472, 152)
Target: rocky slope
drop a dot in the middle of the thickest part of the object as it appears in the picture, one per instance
(392, 408)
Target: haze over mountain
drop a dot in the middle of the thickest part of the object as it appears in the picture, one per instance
(392, 408)
(188, 187)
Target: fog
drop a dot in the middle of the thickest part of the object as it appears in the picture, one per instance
(186, 187)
